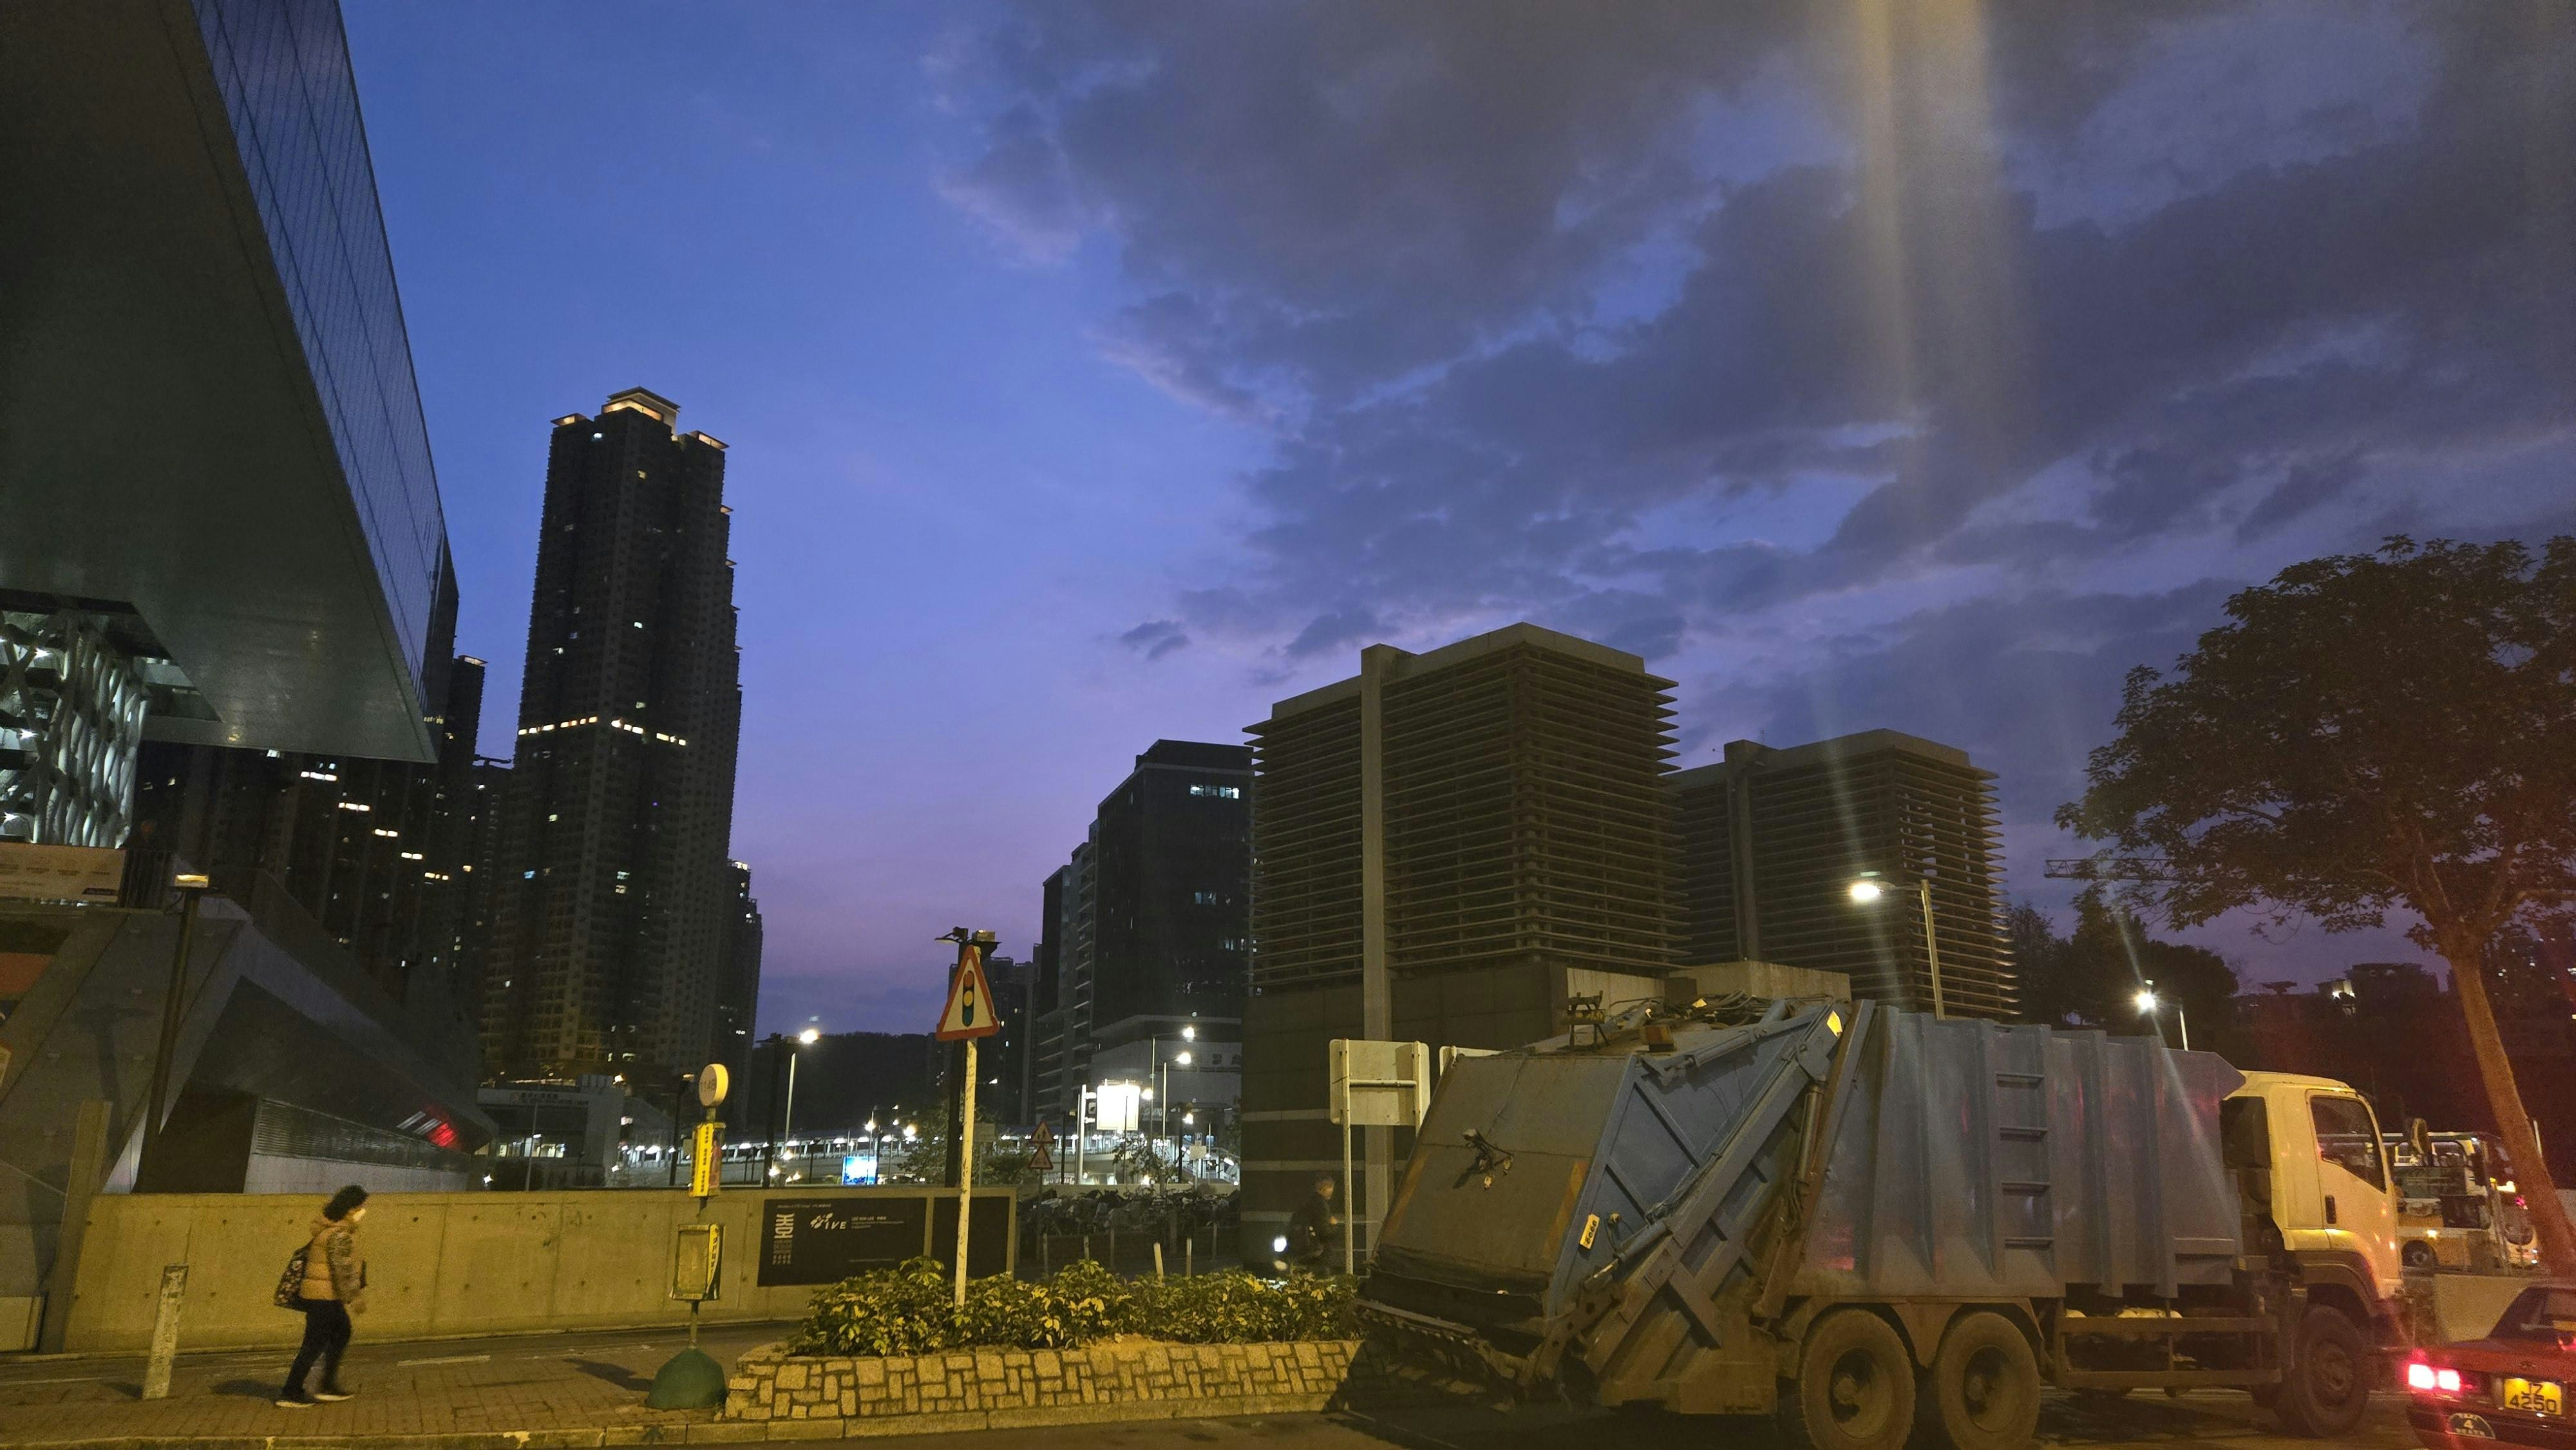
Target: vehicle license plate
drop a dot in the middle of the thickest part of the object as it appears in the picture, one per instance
(2537, 1397)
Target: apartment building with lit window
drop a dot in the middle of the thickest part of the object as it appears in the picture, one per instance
(1150, 925)
(617, 893)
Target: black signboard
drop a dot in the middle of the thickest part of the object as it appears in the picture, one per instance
(823, 1240)
(988, 1247)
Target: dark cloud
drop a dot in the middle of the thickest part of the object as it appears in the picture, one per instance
(1391, 231)
(2031, 680)
(1916, 376)
(1155, 638)
(1332, 631)
(2308, 485)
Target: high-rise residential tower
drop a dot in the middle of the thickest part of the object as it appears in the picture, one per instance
(617, 892)
(738, 987)
(1149, 925)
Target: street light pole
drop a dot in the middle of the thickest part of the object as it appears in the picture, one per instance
(1081, 1138)
(1932, 950)
(2148, 1002)
(787, 1117)
(191, 887)
(1867, 890)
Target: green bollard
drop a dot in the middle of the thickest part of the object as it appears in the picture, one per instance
(691, 1381)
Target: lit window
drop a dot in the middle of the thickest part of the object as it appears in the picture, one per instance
(355, 806)
(1204, 898)
(1219, 792)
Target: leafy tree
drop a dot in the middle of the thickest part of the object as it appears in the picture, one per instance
(2372, 733)
(2091, 979)
(2040, 960)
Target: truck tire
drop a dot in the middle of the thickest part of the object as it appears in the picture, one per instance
(2327, 1389)
(1855, 1387)
(1983, 1392)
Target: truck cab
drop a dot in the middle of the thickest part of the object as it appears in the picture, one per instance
(2325, 1180)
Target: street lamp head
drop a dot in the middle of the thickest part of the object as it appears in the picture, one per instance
(1864, 891)
(910, 1131)
(810, 1036)
(2146, 1000)
(1181, 1061)
(872, 1125)
(1189, 1034)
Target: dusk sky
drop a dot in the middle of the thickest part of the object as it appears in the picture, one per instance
(1099, 374)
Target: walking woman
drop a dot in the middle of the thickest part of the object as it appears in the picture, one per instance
(335, 1287)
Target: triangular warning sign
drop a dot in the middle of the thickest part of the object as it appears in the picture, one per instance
(969, 1012)
(1040, 1159)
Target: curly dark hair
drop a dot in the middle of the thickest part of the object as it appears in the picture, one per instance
(343, 1202)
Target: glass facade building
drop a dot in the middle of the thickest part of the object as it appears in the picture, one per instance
(283, 69)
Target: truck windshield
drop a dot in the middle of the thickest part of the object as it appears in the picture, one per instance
(2347, 1138)
(2541, 1315)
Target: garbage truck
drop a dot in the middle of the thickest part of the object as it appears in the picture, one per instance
(1871, 1223)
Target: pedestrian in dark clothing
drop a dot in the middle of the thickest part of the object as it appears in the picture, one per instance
(334, 1287)
(1310, 1228)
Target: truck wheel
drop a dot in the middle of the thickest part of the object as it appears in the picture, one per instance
(1855, 1387)
(1983, 1393)
(2328, 1385)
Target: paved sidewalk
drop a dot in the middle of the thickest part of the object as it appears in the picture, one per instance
(581, 1384)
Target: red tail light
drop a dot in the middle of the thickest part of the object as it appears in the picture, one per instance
(2425, 1378)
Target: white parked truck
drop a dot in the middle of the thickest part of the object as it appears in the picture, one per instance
(1864, 1221)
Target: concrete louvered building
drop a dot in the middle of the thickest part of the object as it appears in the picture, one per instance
(1771, 842)
(1446, 847)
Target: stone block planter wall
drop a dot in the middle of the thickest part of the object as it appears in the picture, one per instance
(994, 1388)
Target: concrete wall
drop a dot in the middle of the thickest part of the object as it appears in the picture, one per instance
(438, 1263)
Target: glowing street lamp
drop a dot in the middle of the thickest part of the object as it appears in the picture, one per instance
(1867, 890)
(2148, 1003)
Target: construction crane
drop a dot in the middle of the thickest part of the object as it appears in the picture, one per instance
(2111, 868)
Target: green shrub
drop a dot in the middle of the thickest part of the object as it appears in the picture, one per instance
(903, 1310)
(1235, 1308)
(910, 1310)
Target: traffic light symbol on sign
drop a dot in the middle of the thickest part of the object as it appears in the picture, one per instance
(969, 1011)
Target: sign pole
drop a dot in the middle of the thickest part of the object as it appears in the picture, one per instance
(1350, 1210)
(965, 1168)
(692, 1380)
(968, 1015)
